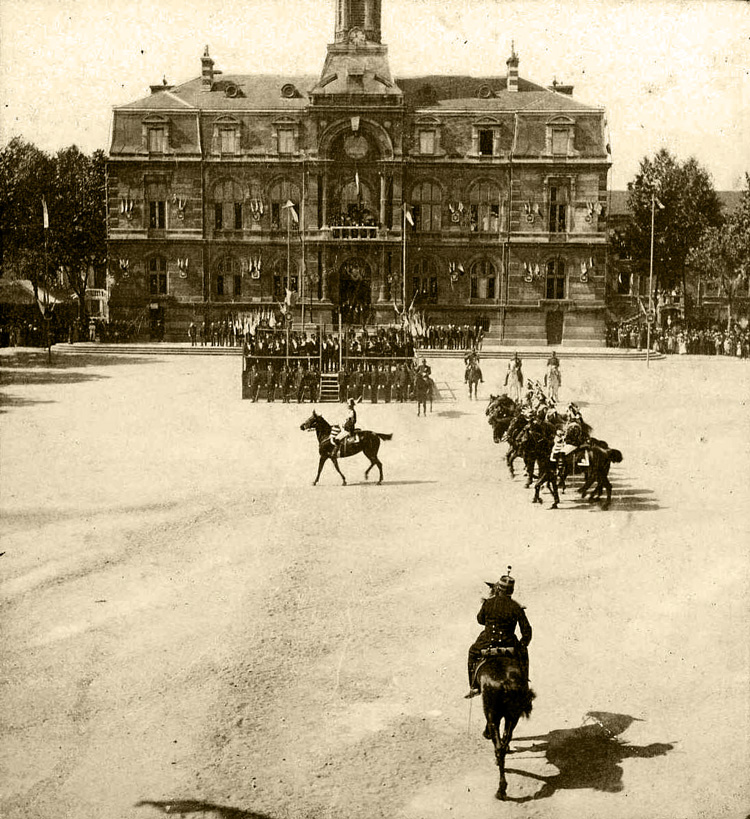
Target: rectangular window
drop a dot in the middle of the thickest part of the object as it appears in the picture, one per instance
(238, 215)
(218, 216)
(474, 287)
(157, 215)
(416, 215)
(426, 142)
(623, 283)
(491, 287)
(560, 141)
(228, 141)
(275, 216)
(486, 142)
(219, 285)
(238, 285)
(158, 284)
(157, 140)
(286, 140)
(557, 210)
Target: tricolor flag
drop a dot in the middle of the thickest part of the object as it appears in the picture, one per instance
(45, 215)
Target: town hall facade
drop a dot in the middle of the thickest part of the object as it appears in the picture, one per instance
(352, 194)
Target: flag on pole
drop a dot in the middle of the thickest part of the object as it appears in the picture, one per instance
(356, 181)
(290, 206)
(407, 214)
(45, 215)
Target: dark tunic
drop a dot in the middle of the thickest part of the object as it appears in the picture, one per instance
(500, 615)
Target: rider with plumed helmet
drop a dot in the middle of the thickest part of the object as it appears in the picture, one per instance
(347, 428)
(500, 615)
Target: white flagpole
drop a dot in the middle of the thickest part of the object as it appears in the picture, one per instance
(403, 254)
(650, 287)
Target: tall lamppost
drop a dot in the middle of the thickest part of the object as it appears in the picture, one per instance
(654, 203)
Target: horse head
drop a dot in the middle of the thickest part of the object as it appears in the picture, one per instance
(311, 423)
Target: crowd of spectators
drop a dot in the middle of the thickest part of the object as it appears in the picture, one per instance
(452, 337)
(681, 340)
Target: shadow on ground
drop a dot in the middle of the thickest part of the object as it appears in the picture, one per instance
(588, 757)
(185, 807)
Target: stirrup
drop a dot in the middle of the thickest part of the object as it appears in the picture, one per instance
(474, 692)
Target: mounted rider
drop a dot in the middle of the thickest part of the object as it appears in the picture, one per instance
(500, 615)
(348, 428)
(471, 360)
(514, 378)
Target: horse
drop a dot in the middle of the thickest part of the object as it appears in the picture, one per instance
(423, 392)
(366, 442)
(600, 460)
(472, 377)
(506, 697)
(500, 413)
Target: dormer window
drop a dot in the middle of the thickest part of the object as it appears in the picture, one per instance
(560, 137)
(427, 142)
(157, 140)
(229, 141)
(486, 142)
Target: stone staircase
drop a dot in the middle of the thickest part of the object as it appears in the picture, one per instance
(329, 388)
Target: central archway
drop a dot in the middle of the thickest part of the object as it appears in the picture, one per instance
(354, 290)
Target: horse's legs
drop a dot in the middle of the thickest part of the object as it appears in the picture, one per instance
(335, 462)
(323, 459)
(501, 749)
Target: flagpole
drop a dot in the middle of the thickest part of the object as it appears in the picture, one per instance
(650, 287)
(403, 262)
(288, 276)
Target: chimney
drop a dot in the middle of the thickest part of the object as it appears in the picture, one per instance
(207, 71)
(512, 63)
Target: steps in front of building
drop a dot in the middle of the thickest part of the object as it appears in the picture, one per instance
(544, 352)
(329, 388)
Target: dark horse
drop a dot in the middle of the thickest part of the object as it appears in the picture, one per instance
(366, 441)
(506, 698)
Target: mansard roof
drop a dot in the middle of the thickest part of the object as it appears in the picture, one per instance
(260, 92)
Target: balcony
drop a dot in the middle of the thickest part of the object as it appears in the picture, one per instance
(349, 233)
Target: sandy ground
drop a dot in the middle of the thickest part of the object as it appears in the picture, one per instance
(185, 618)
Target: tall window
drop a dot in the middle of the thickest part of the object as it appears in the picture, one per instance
(281, 193)
(228, 273)
(157, 218)
(486, 142)
(484, 200)
(556, 279)
(560, 141)
(425, 281)
(427, 142)
(279, 285)
(157, 270)
(483, 280)
(227, 206)
(428, 207)
(558, 201)
(229, 141)
(157, 140)
(286, 141)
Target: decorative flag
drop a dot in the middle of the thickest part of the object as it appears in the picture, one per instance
(290, 206)
(45, 215)
(356, 181)
(407, 214)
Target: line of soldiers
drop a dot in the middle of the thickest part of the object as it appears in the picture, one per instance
(384, 382)
(285, 383)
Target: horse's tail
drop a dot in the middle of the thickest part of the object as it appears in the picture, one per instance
(384, 436)
(615, 456)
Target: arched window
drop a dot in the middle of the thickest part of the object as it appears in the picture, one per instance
(428, 207)
(485, 203)
(228, 277)
(283, 278)
(425, 281)
(228, 206)
(556, 279)
(355, 205)
(281, 217)
(157, 275)
(483, 280)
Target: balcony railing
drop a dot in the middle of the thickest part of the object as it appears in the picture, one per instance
(351, 232)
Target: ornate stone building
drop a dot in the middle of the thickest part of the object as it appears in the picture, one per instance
(467, 198)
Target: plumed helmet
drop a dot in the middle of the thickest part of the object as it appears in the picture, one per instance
(506, 583)
(352, 403)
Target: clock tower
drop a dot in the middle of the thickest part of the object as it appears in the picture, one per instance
(357, 21)
(356, 64)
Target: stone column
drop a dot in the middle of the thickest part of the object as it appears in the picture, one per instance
(382, 199)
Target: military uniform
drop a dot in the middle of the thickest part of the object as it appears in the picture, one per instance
(500, 615)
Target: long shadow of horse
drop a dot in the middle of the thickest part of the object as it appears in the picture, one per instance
(588, 757)
(184, 807)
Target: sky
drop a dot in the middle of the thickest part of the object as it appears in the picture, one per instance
(670, 74)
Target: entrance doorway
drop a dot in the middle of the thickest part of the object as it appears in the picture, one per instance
(555, 320)
(354, 292)
(156, 321)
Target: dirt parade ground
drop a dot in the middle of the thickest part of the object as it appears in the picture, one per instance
(190, 627)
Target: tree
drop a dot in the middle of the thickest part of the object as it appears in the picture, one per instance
(722, 254)
(78, 218)
(690, 205)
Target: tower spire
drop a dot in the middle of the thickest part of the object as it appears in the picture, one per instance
(358, 21)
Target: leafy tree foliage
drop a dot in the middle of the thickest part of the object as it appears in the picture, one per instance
(722, 254)
(690, 206)
(73, 186)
